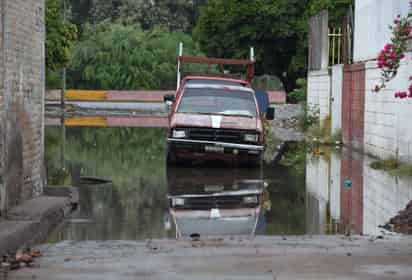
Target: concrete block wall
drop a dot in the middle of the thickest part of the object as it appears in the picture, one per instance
(317, 192)
(337, 87)
(388, 126)
(22, 98)
(318, 92)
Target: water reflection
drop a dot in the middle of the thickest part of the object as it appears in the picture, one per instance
(216, 201)
(144, 200)
(364, 208)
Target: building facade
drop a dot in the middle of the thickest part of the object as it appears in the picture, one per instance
(375, 123)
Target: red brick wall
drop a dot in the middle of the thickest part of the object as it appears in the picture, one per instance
(22, 67)
(351, 200)
(353, 105)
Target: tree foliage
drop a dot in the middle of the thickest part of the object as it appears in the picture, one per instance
(177, 15)
(60, 37)
(115, 56)
(337, 8)
(276, 28)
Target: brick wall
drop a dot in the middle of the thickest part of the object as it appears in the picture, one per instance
(319, 92)
(351, 200)
(22, 95)
(388, 126)
(353, 105)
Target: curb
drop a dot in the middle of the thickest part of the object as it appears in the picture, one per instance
(32, 221)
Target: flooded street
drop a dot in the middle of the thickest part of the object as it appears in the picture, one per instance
(128, 193)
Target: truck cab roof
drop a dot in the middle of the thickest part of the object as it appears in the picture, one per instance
(190, 80)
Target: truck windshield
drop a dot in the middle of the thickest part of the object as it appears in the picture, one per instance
(218, 101)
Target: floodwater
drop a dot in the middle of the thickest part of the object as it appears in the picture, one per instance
(127, 192)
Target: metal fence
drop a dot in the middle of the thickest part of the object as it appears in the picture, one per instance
(341, 41)
(335, 46)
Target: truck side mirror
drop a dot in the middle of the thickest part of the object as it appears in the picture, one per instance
(270, 114)
(169, 99)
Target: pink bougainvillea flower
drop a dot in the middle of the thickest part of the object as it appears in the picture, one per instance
(407, 31)
(401, 94)
(376, 88)
(388, 47)
(402, 56)
(396, 21)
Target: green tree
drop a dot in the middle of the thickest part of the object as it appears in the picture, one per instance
(177, 15)
(337, 8)
(115, 56)
(276, 28)
(60, 37)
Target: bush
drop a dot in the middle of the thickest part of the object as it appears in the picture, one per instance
(298, 95)
(119, 57)
(309, 117)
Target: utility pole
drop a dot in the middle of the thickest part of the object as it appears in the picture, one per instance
(62, 96)
(64, 68)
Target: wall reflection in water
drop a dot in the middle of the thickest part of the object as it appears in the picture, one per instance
(374, 197)
(148, 200)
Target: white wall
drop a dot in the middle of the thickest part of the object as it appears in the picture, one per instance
(337, 86)
(372, 18)
(317, 188)
(2, 197)
(383, 197)
(388, 120)
(318, 94)
(335, 179)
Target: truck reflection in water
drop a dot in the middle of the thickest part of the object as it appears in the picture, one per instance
(215, 202)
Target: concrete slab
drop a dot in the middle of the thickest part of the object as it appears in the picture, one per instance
(13, 233)
(32, 222)
(268, 258)
(36, 208)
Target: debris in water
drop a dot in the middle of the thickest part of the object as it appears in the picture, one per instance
(403, 221)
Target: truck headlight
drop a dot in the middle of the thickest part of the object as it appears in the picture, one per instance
(250, 138)
(179, 133)
(178, 201)
(250, 199)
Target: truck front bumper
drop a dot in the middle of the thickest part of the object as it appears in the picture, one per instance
(199, 146)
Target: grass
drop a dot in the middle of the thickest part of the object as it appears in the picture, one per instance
(393, 166)
(323, 133)
(385, 164)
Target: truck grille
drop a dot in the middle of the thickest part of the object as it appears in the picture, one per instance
(222, 202)
(220, 135)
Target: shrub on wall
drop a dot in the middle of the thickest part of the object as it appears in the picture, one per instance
(391, 55)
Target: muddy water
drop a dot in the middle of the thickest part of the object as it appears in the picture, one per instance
(301, 197)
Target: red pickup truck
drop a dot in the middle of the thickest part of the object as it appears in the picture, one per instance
(216, 118)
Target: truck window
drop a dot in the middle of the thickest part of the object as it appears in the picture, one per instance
(218, 101)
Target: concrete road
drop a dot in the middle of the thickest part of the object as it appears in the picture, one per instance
(330, 257)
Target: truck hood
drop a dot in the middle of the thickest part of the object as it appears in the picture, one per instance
(215, 121)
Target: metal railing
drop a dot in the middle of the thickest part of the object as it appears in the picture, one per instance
(336, 44)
